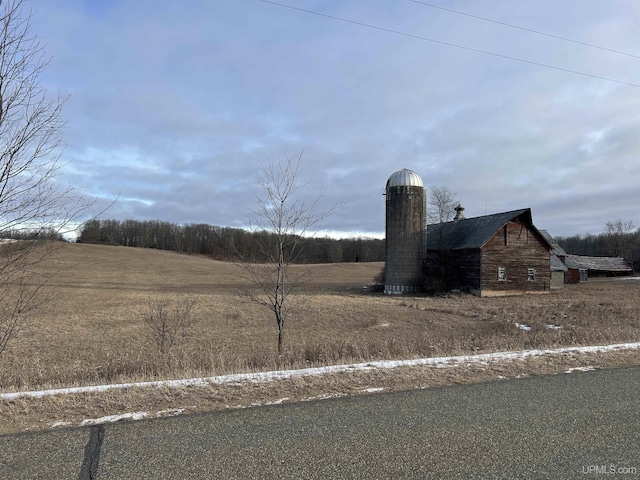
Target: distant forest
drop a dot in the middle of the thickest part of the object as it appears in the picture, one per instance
(618, 240)
(223, 243)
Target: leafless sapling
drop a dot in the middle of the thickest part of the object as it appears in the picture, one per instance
(286, 217)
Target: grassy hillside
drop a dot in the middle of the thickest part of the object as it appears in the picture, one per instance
(91, 331)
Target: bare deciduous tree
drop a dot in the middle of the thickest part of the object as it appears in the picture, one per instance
(620, 237)
(441, 204)
(31, 197)
(286, 218)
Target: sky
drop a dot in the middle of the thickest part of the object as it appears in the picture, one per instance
(174, 107)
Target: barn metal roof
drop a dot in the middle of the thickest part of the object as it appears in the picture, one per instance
(599, 264)
(556, 264)
(572, 263)
(474, 232)
(557, 249)
(404, 178)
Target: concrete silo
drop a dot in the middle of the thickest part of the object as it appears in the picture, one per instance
(405, 232)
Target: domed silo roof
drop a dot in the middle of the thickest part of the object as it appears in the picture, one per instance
(405, 178)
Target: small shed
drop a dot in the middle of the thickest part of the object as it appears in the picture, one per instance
(576, 273)
(601, 266)
(558, 257)
(558, 272)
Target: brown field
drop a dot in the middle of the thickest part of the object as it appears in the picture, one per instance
(90, 331)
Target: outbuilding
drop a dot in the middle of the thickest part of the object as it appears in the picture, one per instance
(600, 266)
(558, 258)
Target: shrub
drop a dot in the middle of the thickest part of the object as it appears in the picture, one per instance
(378, 282)
(166, 321)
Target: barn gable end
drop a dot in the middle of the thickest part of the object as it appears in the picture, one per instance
(515, 260)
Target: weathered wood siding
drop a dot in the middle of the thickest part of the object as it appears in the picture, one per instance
(574, 275)
(516, 248)
(465, 270)
(453, 269)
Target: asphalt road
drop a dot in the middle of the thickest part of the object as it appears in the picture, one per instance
(564, 426)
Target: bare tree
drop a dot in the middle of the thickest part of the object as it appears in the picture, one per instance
(441, 204)
(285, 218)
(619, 234)
(32, 199)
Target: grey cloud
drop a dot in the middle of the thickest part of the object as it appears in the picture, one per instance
(174, 107)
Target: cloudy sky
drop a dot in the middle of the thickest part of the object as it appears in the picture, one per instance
(173, 106)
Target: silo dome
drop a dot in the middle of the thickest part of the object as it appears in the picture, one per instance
(405, 178)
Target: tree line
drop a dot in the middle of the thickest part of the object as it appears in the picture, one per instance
(224, 243)
(32, 234)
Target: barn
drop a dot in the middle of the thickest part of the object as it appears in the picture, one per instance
(490, 255)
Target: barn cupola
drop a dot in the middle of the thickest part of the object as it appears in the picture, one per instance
(459, 215)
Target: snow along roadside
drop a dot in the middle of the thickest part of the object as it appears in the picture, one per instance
(264, 377)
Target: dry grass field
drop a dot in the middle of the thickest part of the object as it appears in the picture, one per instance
(91, 331)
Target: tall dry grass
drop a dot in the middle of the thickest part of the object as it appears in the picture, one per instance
(92, 332)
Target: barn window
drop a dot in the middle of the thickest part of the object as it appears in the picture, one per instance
(531, 274)
(502, 274)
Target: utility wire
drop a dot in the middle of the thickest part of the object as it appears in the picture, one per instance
(566, 39)
(462, 47)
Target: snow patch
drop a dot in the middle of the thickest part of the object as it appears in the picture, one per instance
(114, 418)
(324, 396)
(265, 377)
(170, 412)
(581, 369)
(373, 390)
(60, 423)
